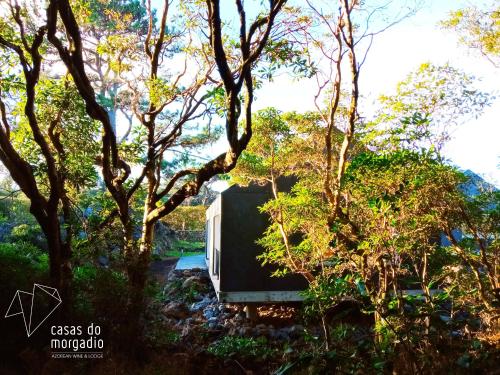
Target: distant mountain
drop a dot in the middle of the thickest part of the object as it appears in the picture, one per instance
(476, 184)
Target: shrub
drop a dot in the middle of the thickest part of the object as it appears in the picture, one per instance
(100, 294)
(241, 346)
(21, 264)
(27, 233)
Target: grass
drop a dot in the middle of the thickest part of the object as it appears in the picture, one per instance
(178, 253)
(185, 248)
(188, 245)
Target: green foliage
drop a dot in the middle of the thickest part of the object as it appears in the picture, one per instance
(18, 225)
(187, 294)
(217, 99)
(478, 29)
(424, 109)
(182, 248)
(301, 216)
(395, 199)
(477, 245)
(395, 204)
(61, 112)
(283, 53)
(281, 143)
(100, 294)
(117, 15)
(25, 233)
(327, 291)
(21, 264)
(241, 346)
(187, 218)
(264, 155)
(161, 90)
(160, 336)
(188, 246)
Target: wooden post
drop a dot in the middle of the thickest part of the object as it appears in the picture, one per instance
(251, 312)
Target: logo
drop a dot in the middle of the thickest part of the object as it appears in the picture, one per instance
(35, 307)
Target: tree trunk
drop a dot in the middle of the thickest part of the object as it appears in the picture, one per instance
(378, 327)
(137, 271)
(326, 332)
(61, 274)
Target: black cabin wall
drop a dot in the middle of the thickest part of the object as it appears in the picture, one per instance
(242, 224)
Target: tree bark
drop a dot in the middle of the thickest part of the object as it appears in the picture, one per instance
(137, 272)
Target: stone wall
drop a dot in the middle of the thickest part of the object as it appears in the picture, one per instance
(191, 235)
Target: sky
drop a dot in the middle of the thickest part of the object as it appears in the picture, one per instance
(395, 53)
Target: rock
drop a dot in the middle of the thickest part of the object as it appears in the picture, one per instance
(172, 275)
(205, 279)
(103, 261)
(210, 313)
(461, 315)
(190, 281)
(244, 331)
(456, 334)
(176, 310)
(445, 318)
(197, 297)
(212, 319)
(186, 330)
(213, 323)
(200, 305)
(296, 331)
(279, 334)
(260, 330)
(239, 317)
(180, 323)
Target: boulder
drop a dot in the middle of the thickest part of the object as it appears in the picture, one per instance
(190, 281)
(103, 261)
(210, 312)
(296, 331)
(213, 323)
(200, 305)
(176, 310)
(244, 331)
(279, 334)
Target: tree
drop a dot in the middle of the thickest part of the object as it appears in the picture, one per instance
(160, 129)
(167, 103)
(112, 32)
(372, 218)
(425, 108)
(41, 144)
(314, 207)
(473, 231)
(478, 29)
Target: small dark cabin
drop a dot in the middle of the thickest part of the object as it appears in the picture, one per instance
(233, 225)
